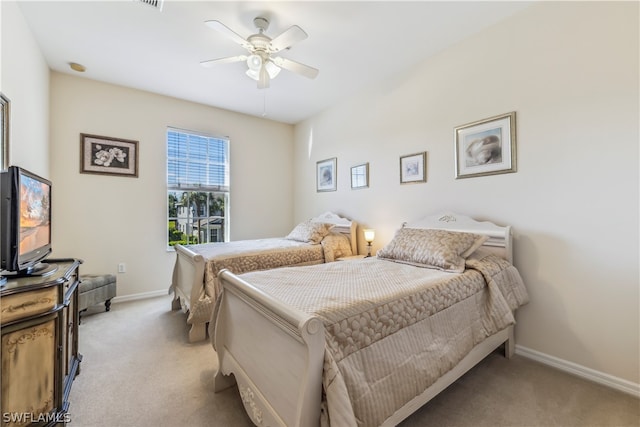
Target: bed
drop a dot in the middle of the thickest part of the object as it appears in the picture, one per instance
(195, 285)
(367, 342)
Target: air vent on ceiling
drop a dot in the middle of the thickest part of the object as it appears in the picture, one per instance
(157, 4)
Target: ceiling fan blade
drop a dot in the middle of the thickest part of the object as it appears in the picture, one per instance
(263, 81)
(288, 38)
(228, 32)
(227, 60)
(296, 67)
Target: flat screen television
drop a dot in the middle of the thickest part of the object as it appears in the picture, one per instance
(25, 223)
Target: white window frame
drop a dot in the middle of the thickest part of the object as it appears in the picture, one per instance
(186, 220)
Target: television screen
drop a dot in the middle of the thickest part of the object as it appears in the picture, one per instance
(25, 223)
(35, 206)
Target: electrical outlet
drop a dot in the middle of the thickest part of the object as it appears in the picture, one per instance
(122, 268)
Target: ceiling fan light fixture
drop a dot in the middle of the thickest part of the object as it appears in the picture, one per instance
(253, 74)
(272, 69)
(254, 62)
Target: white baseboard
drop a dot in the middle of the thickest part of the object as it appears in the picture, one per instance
(143, 295)
(581, 371)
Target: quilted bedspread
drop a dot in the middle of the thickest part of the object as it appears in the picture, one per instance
(242, 256)
(393, 329)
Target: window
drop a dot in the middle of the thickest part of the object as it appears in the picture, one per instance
(197, 187)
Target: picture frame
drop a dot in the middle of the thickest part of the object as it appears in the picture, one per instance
(108, 156)
(413, 168)
(326, 179)
(486, 147)
(5, 116)
(360, 176)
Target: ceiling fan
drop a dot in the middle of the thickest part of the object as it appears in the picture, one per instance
(262, 65)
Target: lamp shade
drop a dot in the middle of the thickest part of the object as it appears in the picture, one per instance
(254, 62)
(369, 235)
(271, 68)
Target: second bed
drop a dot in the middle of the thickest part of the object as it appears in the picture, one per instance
(195, 284)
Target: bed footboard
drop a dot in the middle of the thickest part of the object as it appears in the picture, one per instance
(187, 285)
(250, 334)
(275, 354)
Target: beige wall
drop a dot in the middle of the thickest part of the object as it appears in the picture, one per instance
(25, 82)
(107, 220)
(570, 71)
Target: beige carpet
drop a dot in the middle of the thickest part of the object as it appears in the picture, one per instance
(138, 369)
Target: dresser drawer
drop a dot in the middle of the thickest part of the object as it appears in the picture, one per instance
(23, 304)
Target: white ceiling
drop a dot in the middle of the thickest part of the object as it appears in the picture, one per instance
(353, 44)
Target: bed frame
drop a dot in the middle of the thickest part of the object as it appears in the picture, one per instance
(254, 330)
(188, 275)
(188, 281)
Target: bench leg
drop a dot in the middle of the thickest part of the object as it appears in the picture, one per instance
(107, 305)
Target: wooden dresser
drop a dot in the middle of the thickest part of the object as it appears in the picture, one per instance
(39, 346)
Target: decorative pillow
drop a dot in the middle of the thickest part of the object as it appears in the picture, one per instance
(332, 218)
(335, 245)
(440, 249)
(308, 231)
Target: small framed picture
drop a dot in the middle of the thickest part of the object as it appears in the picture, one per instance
(360, 176)
(108, 156)
(413, 168)
(326, 175)
(486, 147)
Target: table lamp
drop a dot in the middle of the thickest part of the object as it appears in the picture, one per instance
(369, 235)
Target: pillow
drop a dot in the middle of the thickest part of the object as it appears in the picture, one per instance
(308, 231)
(331, 218)
(440, 249)
(335, 245)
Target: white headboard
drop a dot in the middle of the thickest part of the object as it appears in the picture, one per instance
(341, 225)
(499, 240)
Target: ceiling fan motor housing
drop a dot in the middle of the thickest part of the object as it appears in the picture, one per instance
(259, 42)
(261, 23)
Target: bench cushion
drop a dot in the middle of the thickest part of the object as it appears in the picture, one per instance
(89, 282)
(96, 289)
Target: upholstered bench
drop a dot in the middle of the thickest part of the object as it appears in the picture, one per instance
(96, 289)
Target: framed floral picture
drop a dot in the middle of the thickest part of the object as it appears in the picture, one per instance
(486, 147)
(108, 156)
(326, 179)
(413, 168)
